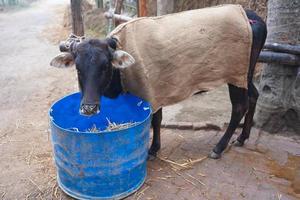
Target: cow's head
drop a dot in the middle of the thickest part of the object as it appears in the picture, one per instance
(94, 60)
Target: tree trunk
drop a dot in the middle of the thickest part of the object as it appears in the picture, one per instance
(278, 107)
(146, 8)
(165, 7)
(118, 9)
(142, 8)
(77, 20)
(99, 3)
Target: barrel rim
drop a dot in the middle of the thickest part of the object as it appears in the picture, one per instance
(97, 132)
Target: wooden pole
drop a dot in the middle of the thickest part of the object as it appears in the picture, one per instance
(99, 3)
(284, 48)
(279, 58)
(165, 7)
(142, 8)
(121, 18)
(77, 20)
(118, 9)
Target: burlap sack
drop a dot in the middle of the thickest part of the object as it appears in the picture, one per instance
(180, 54)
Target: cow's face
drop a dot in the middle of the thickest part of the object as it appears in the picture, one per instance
(94, 60)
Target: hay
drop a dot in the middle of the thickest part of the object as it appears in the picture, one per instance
(138, 195)
(112, 126)
(186, 165)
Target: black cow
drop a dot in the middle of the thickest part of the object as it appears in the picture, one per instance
(97, 63)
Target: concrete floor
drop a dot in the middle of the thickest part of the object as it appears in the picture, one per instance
(267, 167)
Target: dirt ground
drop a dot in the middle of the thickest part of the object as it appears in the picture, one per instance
(267, 168)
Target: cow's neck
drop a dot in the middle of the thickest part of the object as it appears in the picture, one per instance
(115, 86)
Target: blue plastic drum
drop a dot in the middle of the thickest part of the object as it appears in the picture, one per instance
(102, 164)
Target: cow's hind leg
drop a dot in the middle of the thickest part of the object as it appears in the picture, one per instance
(253, 96)
(156, 123)
(239, 101)
(259, 36)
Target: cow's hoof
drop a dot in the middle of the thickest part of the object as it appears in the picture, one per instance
(214, 155)
(151, 157)
(237, 143)
(152, 153)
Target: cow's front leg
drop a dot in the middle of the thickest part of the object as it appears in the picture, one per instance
(156, 123)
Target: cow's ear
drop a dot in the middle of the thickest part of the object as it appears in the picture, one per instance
(63, 60)
(122, 59)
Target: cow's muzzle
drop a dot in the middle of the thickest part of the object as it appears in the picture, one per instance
(70, 44)
(89, 109)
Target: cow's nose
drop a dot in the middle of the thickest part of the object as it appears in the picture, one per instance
(89, 109)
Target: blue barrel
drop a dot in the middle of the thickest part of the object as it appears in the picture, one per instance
(102, 164)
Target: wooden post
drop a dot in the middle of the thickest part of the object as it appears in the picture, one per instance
(77, 20)
(118, 9)
(279, 58)
(99, 3)
(278, 108)
(142, 8)
(165, 7)
(284, 48)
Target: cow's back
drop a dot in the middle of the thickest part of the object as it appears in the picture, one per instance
(179, 54)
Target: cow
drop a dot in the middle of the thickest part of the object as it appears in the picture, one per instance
(99, 65)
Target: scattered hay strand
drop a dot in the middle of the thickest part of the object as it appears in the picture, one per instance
(260, 170)
(182, 176)
(192, 162)
(74, 129)
(138, 195)
(40, 196)
(186, 165)
(93, 129)
(30, 155)
(27, 196)
(162, 178)
(196, 179)
(112, 126)
(279, 196)
(54, 190)
(173, 162)
(200, 174)
(3, 194)
(36, 185)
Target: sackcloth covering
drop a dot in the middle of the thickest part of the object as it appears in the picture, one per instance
(180, 54)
